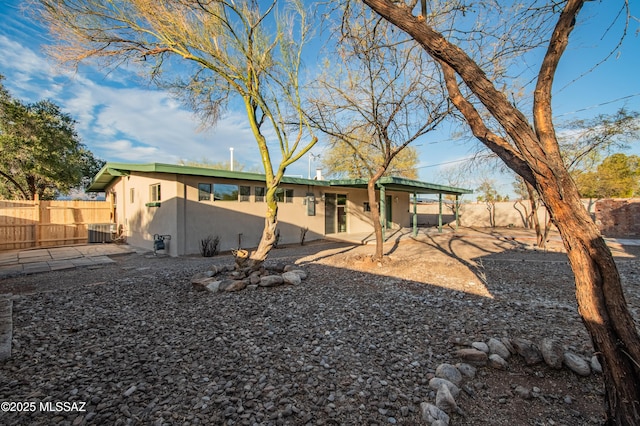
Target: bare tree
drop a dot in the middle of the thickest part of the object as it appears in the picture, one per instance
(381, 96)
(209, 51)
(531, 150)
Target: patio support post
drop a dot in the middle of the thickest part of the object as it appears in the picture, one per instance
(415, 214)
(440, 212)
(457, 215)
(383, 212)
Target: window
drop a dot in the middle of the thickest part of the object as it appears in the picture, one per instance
(245, 193)
(204, 192)
(132, 193)
(224, 192)
(284, 195)
(367, 206)
(154, 193)
(260, 191)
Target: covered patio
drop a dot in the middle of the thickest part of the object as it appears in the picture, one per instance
(410, 186)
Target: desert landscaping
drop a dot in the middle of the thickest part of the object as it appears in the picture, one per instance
(355, 342)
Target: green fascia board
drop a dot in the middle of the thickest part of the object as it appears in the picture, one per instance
(404, 185)
(112, 171)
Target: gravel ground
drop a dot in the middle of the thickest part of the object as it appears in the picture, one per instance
(355, 343)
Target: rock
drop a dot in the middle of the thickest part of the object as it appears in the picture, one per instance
(130, 391)
(431, 413)
(445, 401)
(472, 356)
(496, 361)
(213, 287)
(450, 373)
(232, 285)
(291, 278)
(201, 282)
(522, 392)
(507, 344)
(200, 275)
(498, 348)
(215, 269)
(481, 346)
(300, 272)
(467, 370)
(254, 278)
(596, 367)
(552, 353)
(528, 350)
(437, 382)
(271, 281)
(576, 364)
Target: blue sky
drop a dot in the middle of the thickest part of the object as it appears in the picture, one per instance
(121, 120)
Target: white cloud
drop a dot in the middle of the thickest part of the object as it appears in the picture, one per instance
(118, 121)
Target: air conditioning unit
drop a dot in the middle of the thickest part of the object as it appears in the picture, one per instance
(100, 232)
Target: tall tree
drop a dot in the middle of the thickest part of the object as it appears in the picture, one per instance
(618, 176)
(532, 151)
(343, 161)
(40, 151)
(209, 51)
(378, 97)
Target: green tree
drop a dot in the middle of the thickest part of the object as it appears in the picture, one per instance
(343, 161)
(530, 148)
(40, 151)
(618, 176)
(207, 52)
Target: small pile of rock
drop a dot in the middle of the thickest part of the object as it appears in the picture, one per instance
(229, 279)
(495, 353)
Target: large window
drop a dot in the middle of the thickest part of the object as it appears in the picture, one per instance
(245, 193)
(225, 192)
(204, 192)
(154, 193)
(260, 191)
(284, 195)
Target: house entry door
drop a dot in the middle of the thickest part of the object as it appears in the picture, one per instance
(335, 213)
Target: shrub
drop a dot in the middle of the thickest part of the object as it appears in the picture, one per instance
(209, 246)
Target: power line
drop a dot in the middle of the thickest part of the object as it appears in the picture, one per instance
(599, 105)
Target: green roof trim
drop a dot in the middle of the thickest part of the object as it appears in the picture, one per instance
(112, 171)
(394, 183)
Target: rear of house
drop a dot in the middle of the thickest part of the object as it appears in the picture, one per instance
(190, 203)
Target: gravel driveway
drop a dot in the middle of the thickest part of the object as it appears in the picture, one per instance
(356, 343)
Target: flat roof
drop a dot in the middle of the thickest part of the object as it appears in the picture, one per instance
(112, 171)
(394, 183)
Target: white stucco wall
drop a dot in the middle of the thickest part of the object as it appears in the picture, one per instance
(188, 220)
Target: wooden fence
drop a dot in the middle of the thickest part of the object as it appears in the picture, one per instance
(25, 224)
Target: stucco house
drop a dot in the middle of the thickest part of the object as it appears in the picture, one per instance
(191, 203)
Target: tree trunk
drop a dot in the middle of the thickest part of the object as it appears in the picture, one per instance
(375, 217)
(541, 239)
(269, 235)
(602, 305)
(537, 159)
